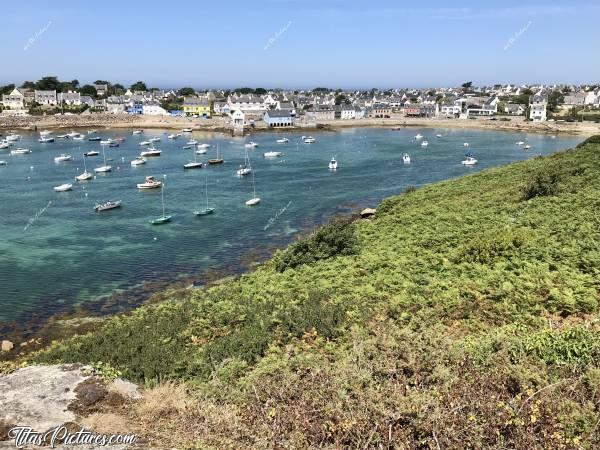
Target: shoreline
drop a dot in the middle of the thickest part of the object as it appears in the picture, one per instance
(219, 125)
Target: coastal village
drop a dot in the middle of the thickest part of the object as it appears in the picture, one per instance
(248, 107)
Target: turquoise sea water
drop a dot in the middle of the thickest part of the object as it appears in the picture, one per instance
(56, 252)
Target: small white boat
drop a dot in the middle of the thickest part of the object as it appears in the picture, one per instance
(154, 139)
(143, 143)
(62, 158)
(78, 137)
(150, 183)
(438, 135)
(333, 164)
(2, 163)
(466, 144)
(527, 147)
(12, 137)
(91, 153)
(520, 143)
(62, 136)
(45, 140)
(272, 154)
(151, 152)
(406, 158)
(72, 134)
(138, 161)
(553, 137)
(251, 144)
(254, 200)
(187, 130)
(419, 136)
(45, 133)
(172, 136)
(106, 142)
(192, 142)
(193, 165)
(243, 170)
(203, 146)
(137, 131)
(107, 206)
(201, 151)
(283, 140)
(84, 176)
(424, 144)
(105, 167)
(470, 161)
(4, 144)
(92, 131)
(20, 151)
(309, 140)
(63, 187)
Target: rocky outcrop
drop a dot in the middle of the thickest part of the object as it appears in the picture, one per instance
(367, 212)
(6, 346)
(45, 397)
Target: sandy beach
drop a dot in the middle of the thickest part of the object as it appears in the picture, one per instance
(220, 124)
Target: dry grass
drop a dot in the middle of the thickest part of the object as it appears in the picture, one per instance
(107, 423)
(163, 400)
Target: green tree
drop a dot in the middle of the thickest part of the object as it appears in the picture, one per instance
(139, 86)
(186, 91)
(28, 85)
(48, 84)
(467, 85)
(245, 90)
(88, 89)
(260, 91)
(117, 89)
(6, 89)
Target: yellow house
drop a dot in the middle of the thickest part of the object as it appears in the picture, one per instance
(196, 106)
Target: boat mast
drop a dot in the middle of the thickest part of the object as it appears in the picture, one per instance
(162, 197)
(206, 190)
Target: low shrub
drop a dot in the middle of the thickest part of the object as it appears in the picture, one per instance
(544, 183)
(491, 245)
(337, 238)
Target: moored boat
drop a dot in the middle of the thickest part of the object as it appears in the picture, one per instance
(62, 157)
(138, 161)
(63, 187)
(272, 154)
(107, 205)
(150, 183)
(20, 151)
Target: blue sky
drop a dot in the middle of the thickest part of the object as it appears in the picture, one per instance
(302, 43)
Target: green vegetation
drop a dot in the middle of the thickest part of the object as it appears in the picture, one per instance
(464, 315)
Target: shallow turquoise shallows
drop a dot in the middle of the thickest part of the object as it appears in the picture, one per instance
(57, 253)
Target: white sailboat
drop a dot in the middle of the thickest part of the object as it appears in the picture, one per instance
(104, 167)
(283, 140)
(254, 200)
(251, 144)
(208, 210)
(424, 144)
(272, 154)
(164, 218)
(245, 168)
(406, 158)
(85, 175)
(194, 164)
